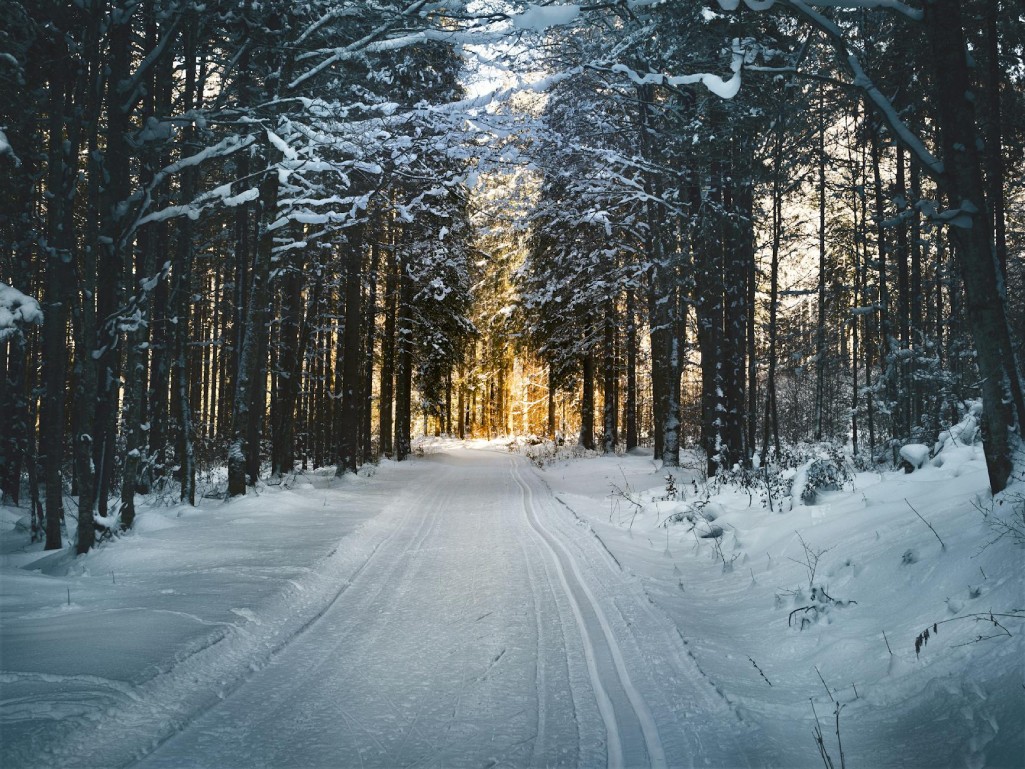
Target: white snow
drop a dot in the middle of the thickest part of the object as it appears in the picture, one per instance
(541, 17)
(6, 148)
(916, 454)
(724, 89)
(246, 196)
(469, 609)
(16, 310)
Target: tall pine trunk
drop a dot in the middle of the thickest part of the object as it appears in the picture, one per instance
(253, 332)
(353, 354)
(404, 364)
(587, 402)
(610, 427)
(631, 375)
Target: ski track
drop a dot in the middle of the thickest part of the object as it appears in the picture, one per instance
(600, 641)
(473, 622)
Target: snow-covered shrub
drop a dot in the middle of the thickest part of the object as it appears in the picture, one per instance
(769, 483)
(915, 455)
(964, 433)
(826, 472)
(821, 475)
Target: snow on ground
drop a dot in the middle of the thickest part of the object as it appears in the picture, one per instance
(777, 640)
(144, 631)
(646, 638)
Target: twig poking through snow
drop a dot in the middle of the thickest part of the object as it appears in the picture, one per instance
(942, 545)
(823, 680)
(760, 671)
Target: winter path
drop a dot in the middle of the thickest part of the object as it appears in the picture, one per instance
(449, 611)
(483, 630)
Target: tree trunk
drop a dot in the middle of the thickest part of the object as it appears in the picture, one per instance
(404, 365)
(587, 403)
(917, 328)
(387, 389)
(294, 328)
(820, 331)
(249, 364)
(771, 418)
(369, 339)
(994, 154)
(348, 455)
(631, 375)
(59, 281)
(710, 291)
(738, 253)
(610, 431)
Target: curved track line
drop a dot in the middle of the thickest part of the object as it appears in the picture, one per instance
(649, 729)
(238, 677)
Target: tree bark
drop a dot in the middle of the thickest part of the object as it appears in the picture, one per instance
(59, 280)
(387, 389)
(610, 431)
(404, 365)
(631, 374)
(587, 403)
(249, 364)
(348, 456)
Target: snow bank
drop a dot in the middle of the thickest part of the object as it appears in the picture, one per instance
(825, 604)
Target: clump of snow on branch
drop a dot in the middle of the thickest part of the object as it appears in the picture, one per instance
(539, 18)
(7, 149)
(724, 89)
(16, 310)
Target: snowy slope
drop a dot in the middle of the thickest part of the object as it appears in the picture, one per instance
(774, 649)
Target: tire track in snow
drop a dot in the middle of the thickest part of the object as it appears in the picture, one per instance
(599, 641)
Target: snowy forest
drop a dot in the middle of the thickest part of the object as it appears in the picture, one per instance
(255, 234)
(245, 243)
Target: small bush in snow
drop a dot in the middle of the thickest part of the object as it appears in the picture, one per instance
(825, 473)
(821, 602)
(672, 492)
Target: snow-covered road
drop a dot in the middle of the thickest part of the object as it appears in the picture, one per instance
(487, 627)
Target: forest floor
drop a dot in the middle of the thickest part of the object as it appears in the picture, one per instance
(469, 608)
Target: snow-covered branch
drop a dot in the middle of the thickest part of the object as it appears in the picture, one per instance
(889, 5)
(725, 89)
(347, 52)
(16, 310)
(223, 148)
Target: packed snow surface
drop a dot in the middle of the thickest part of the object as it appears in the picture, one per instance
(470, 609)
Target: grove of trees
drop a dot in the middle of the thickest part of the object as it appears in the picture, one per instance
(271, 236)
